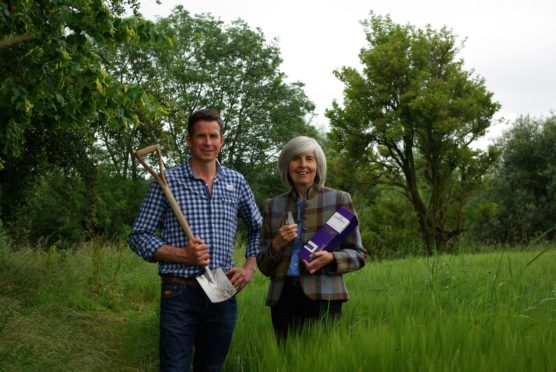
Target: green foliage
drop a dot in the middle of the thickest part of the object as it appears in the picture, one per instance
(232, 69)
(4, 239)
(133, 64)
(386, 218)
(117, 203)
(520, 203)
(57, 209)
(388, 225)
(53, 72)
(55, 92)
(206, 63)
(408, 120)
(81, 92)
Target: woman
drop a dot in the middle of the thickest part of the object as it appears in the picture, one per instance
(302, 291)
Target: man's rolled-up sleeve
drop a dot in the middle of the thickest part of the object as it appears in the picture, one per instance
(142, 238)
(250, 214)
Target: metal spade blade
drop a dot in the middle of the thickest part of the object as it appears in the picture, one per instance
(216, 285)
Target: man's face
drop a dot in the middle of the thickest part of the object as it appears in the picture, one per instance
(206, 141)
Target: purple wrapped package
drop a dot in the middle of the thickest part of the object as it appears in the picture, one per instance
(340, 225)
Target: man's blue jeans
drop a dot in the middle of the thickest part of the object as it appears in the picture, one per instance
(189, 320)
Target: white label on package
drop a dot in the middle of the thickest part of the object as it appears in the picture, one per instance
(338, 222)
(311, 247)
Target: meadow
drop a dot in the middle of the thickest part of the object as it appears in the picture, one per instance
(95, 308)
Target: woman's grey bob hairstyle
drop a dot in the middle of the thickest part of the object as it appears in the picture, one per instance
(301, 146)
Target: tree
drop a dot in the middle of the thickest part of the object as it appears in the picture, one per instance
(134, 63)
(53, 72)
(227, 67)
(386, 219)
(520, 203)
(233, 70)
(54, 88)
(409, 119)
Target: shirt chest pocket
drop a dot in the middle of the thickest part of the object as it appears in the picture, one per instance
(227, 207)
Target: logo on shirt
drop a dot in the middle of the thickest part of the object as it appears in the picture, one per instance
(230, 187)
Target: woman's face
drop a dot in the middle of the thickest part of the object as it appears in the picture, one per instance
(303, 169)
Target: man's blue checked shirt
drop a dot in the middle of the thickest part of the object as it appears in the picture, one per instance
(212, 217)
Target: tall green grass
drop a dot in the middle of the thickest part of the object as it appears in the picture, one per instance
(76, 310)
(96, 308)
(481, 312)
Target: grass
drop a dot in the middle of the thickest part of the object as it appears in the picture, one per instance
(96, 308)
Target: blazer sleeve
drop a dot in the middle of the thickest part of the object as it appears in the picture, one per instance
(266, 260)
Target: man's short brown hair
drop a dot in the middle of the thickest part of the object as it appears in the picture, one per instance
(203, 115)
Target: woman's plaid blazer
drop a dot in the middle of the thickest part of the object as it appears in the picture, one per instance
(327, 283)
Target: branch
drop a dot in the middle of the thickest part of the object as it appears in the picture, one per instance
(386, 177)
(11, 40)
(395, 152)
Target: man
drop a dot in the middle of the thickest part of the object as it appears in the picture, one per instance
(211, 197)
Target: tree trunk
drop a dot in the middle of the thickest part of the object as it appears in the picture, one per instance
(425, 225)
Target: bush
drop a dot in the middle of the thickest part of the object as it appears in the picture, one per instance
(520, 203)
(388, 226)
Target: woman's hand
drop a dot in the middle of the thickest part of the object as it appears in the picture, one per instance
(318, 260)
(286, 234)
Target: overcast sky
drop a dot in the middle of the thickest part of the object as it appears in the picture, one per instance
(512, 44)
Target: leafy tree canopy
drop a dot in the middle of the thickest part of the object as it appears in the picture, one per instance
(52, 58)
(55, 89)
(230, 68)
(82, 87)
(521, 201)
(234, 70)
(409, 118)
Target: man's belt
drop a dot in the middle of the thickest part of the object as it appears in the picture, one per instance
(179, 280)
